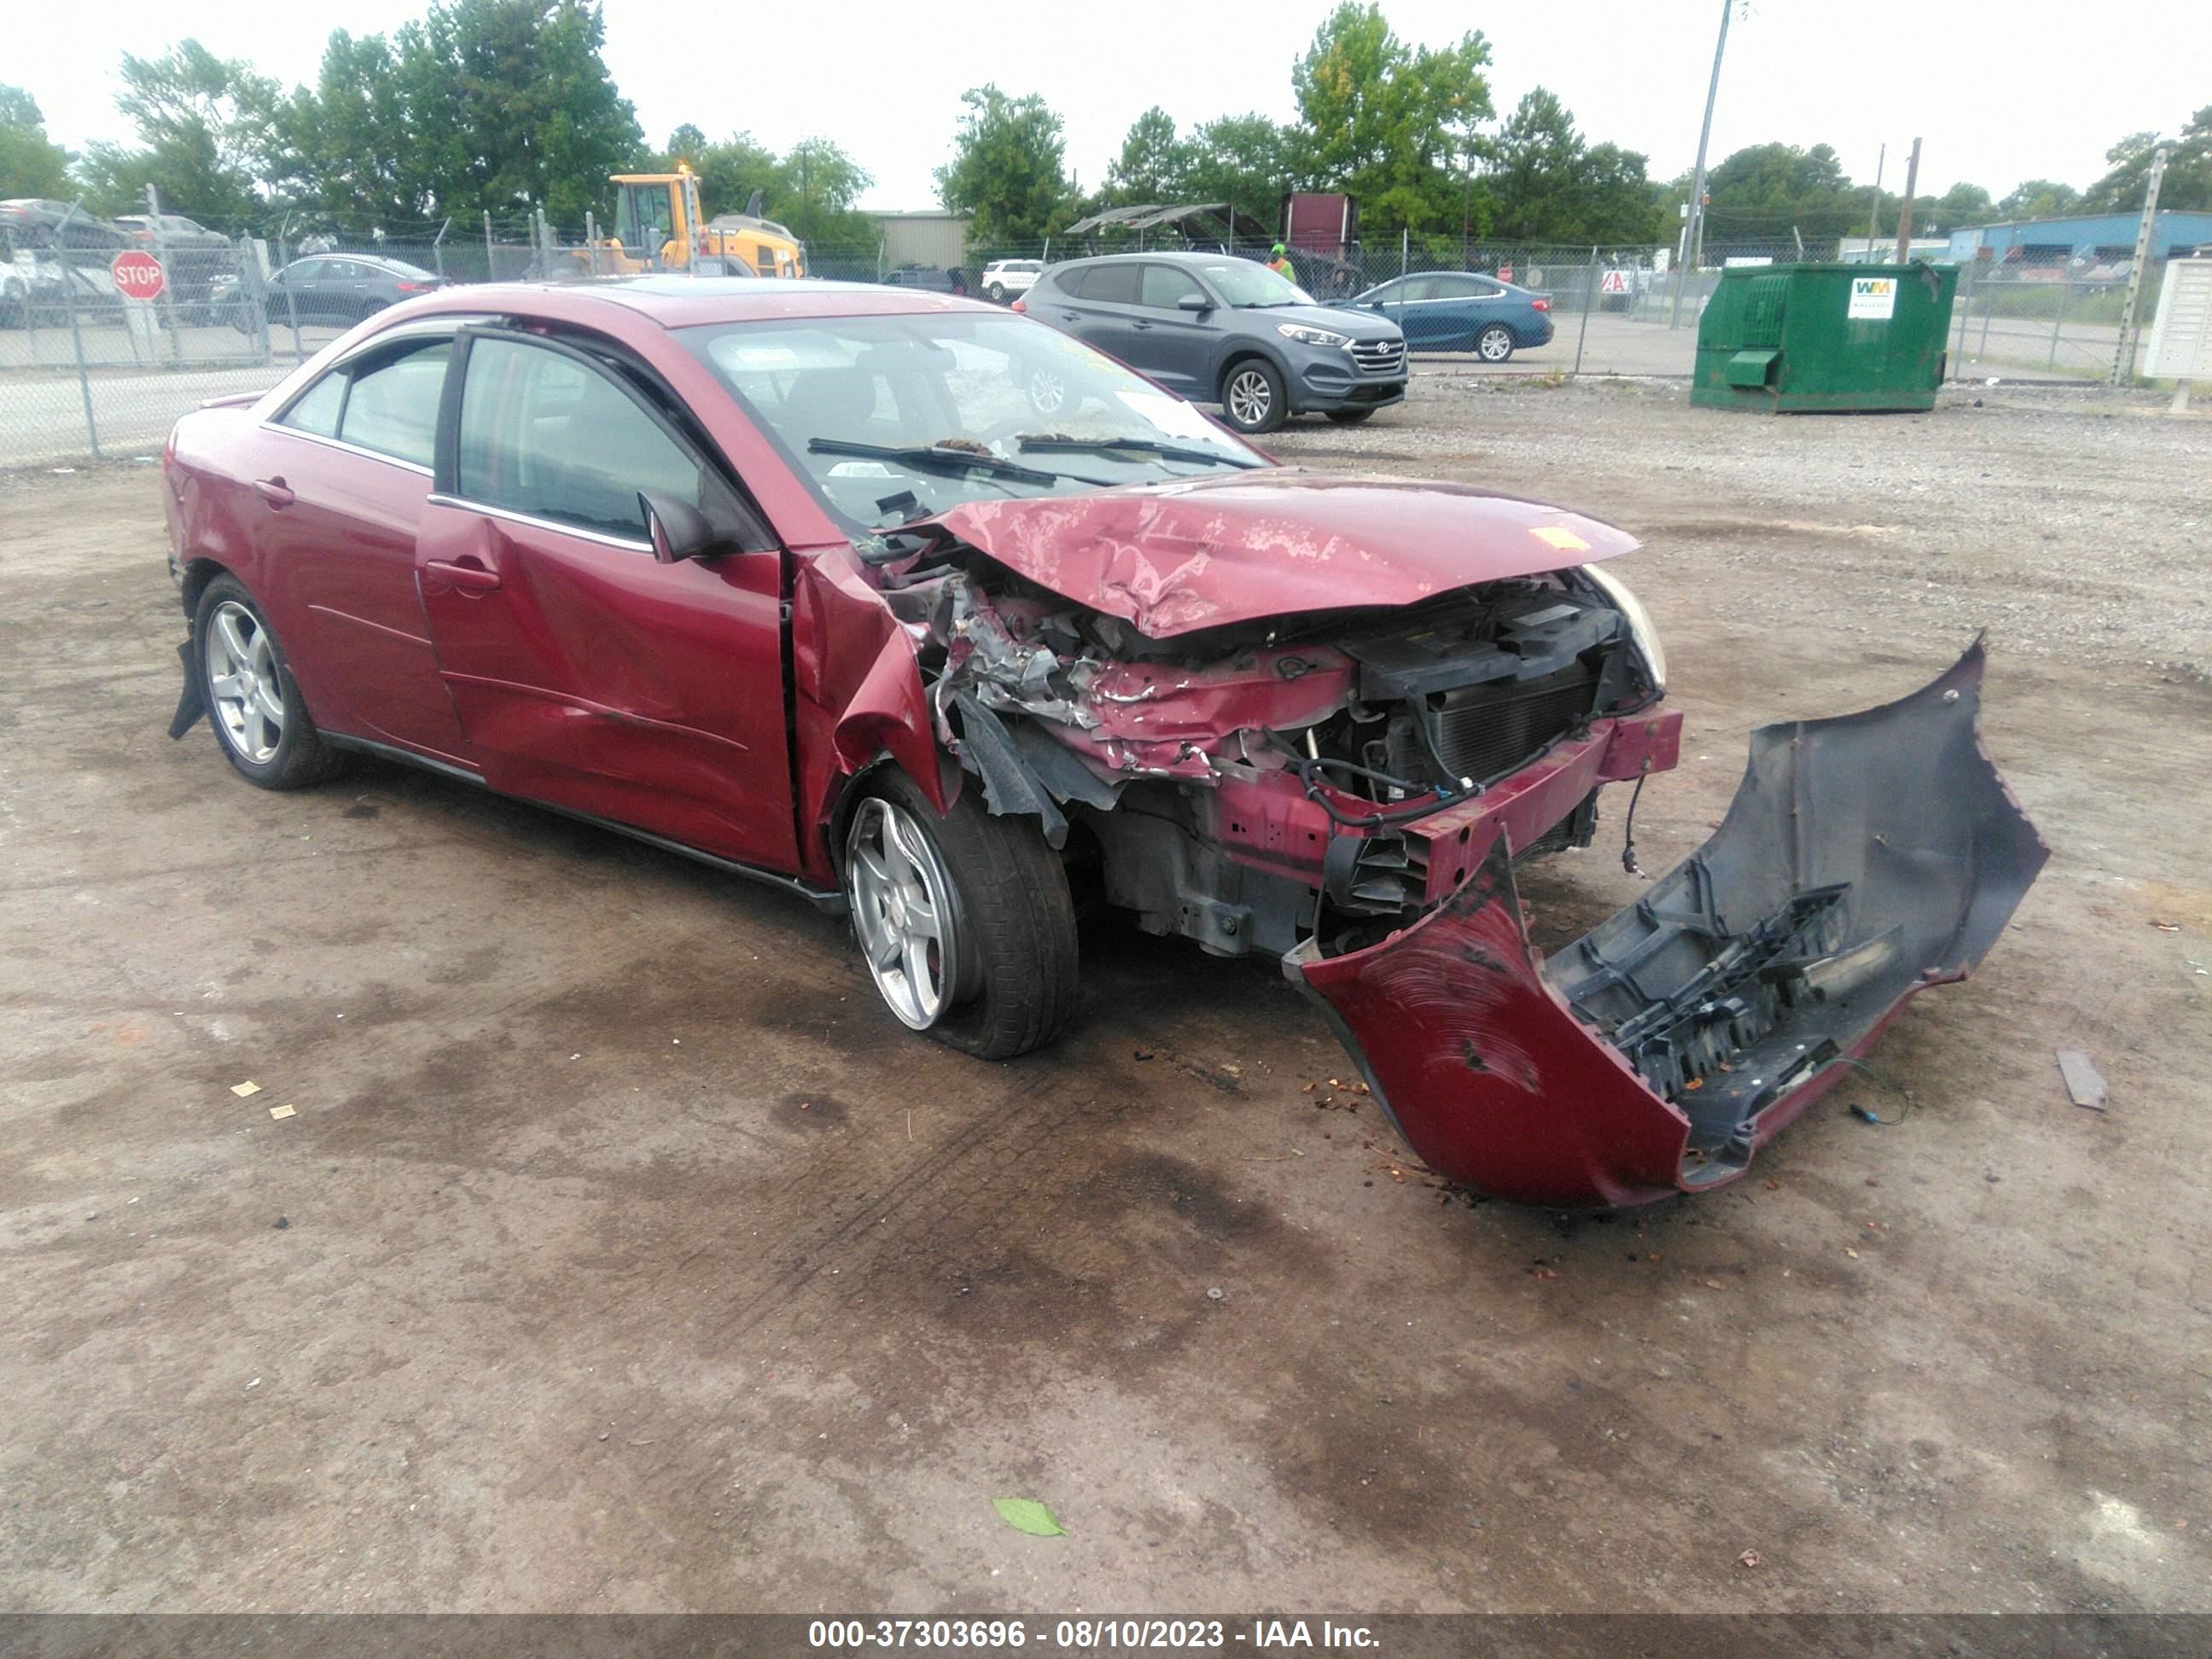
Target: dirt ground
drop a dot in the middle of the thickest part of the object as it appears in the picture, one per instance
(621, 1254)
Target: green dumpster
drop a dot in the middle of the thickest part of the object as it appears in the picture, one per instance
(1779, 338)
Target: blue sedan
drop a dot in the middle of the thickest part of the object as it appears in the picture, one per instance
(1459, 311)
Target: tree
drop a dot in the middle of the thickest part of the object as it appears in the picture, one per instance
(1397, 127)
(2186, 186)
(510, 107)
(1007, 169)
(348, 146)
(31, 164)
(1246, 161)
(2037, 198)
(816, 187)
(1960, 205)
(209, 127)
(1545, 185)
(1154, 165)
(1767, 190)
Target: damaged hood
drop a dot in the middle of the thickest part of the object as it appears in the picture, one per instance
(1172, 558)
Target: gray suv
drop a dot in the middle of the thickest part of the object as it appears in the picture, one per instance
(1218, 329)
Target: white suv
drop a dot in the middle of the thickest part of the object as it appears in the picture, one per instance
(1004, 279)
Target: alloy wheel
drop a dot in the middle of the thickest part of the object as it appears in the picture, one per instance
(1250, 398)
(243, 683)
(1495, 345)
(1048, 391)
(904, 912)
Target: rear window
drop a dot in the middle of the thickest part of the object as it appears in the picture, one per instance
(1113, 285)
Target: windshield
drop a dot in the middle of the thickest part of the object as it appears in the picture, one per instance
(892, 419)
(1243, 283)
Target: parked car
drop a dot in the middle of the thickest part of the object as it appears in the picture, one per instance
(1009, 279)
(1220, 329)
(42, 285)
(171, 230)
(28, 222)
(793, 579)
(339, 288)
(1461, 311)
(929, 279)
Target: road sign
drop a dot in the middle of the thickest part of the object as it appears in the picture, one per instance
(137, 275)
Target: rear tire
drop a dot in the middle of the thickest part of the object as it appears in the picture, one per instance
(964, 920)
(997, 293)
(261, 720)
(1495, 344)
(1253, 399)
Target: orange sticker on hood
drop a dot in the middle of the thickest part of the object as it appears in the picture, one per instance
(1561, 537)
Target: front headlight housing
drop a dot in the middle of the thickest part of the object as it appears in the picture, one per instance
(1315, 337)
(1640, 627)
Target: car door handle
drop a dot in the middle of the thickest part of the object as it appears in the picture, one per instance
(274, 491)
(1140, 327)
(1070, 315)
(462, 578)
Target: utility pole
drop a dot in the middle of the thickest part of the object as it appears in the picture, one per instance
(1696, 234)
(1874, 212)
(1905, 212)
(2123, 354)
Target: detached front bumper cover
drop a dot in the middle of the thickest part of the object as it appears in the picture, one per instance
(1864, 858)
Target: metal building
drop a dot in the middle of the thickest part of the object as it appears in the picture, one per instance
(2091, 239)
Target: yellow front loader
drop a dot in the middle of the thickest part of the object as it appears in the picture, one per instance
(661, 226)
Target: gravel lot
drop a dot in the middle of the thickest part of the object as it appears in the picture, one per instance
(619, 1256)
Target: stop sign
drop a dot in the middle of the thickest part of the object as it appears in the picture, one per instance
(137, 275)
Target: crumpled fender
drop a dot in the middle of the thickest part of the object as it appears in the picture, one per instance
(1864, 858)
(856, 695)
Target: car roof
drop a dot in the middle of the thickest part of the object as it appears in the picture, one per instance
(676, 301)
(1174, 257)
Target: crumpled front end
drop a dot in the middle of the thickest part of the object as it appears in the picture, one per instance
(1864, 858)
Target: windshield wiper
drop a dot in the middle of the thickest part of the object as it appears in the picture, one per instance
(947, 457)
(1140, 446)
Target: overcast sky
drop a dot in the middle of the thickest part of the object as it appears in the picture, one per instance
(2030, 88)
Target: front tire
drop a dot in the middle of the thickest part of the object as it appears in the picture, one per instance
(965, 921)
(1495, 344)
(1252, 396)
(261, 720)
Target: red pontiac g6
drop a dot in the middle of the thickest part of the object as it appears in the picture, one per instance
(942, 617)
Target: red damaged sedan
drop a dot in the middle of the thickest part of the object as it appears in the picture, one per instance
(941, 618)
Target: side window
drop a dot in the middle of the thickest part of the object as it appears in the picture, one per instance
(392, 408)
(1113, 285)
(543, 435)
(1417, 287)
(304, 270)
(318, 410)
(1388, 294)
(1164, 287)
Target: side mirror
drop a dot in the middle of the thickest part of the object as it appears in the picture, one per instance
(676, 529)
(1193, 302)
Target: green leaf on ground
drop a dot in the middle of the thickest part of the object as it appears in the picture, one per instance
(1027, 1515)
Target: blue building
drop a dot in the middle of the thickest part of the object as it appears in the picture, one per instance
(2093, 239)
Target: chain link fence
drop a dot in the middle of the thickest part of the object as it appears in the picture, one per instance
(86, 371)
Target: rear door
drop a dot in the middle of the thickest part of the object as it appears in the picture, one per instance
(340, 477)
(588, 675)
(1100, 308)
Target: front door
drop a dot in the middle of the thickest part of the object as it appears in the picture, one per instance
(588, 675)
(1172, 345)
